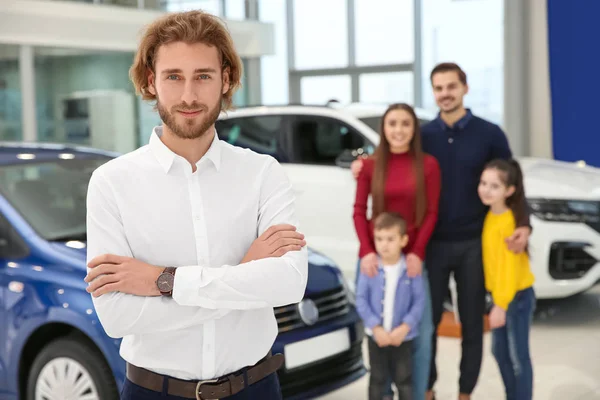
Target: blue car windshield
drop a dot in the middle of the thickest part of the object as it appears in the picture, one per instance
(51, 196)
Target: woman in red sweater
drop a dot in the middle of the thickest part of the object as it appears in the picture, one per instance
(401, 178)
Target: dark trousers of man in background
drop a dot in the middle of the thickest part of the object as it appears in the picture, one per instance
(464, 259)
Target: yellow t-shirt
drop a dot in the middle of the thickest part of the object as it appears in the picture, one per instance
(506, 273)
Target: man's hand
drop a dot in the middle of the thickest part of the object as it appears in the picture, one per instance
(110, 273)
(275, 242)
(369, 264)
(356, 167)
(382, 338)
(398, 335)
(414, 265)
(517, 242)
(497, 317)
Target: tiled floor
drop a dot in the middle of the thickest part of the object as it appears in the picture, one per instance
(565, 347)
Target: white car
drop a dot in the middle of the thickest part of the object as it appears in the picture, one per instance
(316, 145)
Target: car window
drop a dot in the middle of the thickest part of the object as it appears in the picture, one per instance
(258, 133)
(51, 196)
(321, 140)
(12, 245)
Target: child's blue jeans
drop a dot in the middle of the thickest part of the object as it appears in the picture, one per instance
(510, 346)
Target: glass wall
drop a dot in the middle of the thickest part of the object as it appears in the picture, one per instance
(386, 87)
(320, 38)
(470, 33)
(274, 68)
(352, 50)
(318, 90)
(86, 97)
(384, 32)
(10, 94)
(211, 6)
(231, 9)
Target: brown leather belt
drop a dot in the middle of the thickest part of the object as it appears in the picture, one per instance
(211, 389)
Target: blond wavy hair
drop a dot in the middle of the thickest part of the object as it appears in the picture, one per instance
(189, 27)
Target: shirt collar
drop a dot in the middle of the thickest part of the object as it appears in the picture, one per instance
(401, 264)
(461, 124)
(166, 156)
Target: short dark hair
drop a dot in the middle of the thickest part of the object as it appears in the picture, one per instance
(387, 220)
(449, 67)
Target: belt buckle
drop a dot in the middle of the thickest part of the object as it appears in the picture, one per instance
(200, 383)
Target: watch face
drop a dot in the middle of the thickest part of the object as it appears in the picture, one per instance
(165, 282)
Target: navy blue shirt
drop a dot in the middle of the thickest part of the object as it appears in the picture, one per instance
(462, 152)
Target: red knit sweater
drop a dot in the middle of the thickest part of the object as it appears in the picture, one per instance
(400, 196)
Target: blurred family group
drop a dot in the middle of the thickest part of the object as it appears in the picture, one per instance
(446, 198)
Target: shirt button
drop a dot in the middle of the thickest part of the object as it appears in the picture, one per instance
(450, 140)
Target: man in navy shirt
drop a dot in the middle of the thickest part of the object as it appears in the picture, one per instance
(463, 144)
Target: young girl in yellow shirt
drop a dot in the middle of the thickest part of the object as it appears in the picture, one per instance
(508, 277)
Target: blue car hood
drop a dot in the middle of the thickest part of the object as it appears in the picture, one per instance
(323, 274)
(78, 254)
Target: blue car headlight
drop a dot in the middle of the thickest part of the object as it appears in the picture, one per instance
(570, 211)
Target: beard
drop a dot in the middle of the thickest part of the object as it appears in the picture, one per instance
(192, 128)
(451, 107)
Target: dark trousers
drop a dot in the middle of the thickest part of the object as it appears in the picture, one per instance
(265, 389)
(464, 258)
(510, 346)
(390, 363)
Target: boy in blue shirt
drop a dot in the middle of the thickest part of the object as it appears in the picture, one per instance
(391, 305)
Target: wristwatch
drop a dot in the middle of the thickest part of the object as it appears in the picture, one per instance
(166, 280)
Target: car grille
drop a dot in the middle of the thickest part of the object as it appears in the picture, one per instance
(331, 304)
(323, 372)
(569, 260)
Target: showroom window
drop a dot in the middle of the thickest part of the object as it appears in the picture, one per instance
(448, 28)
(320, 141)
(384, 32)
(318, 90)
(351, 51)
(320, 34)
(274, 68)
(10, 94)
(85, 97)
(235, 9)
(260, 134)
(211, 6)
(386, 87)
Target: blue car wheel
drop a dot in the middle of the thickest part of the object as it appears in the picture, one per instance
(70, 367)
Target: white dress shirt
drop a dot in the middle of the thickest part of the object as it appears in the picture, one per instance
(392, 275)
(149, 205)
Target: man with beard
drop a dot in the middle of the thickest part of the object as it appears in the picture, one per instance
(191, 241)
(463, 144)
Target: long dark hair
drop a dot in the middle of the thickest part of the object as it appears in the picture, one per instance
(381, 156)
(511, 175)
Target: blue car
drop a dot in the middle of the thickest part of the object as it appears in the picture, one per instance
(53, 346)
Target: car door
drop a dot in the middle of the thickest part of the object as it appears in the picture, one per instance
(12, 248)
(326, 191)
